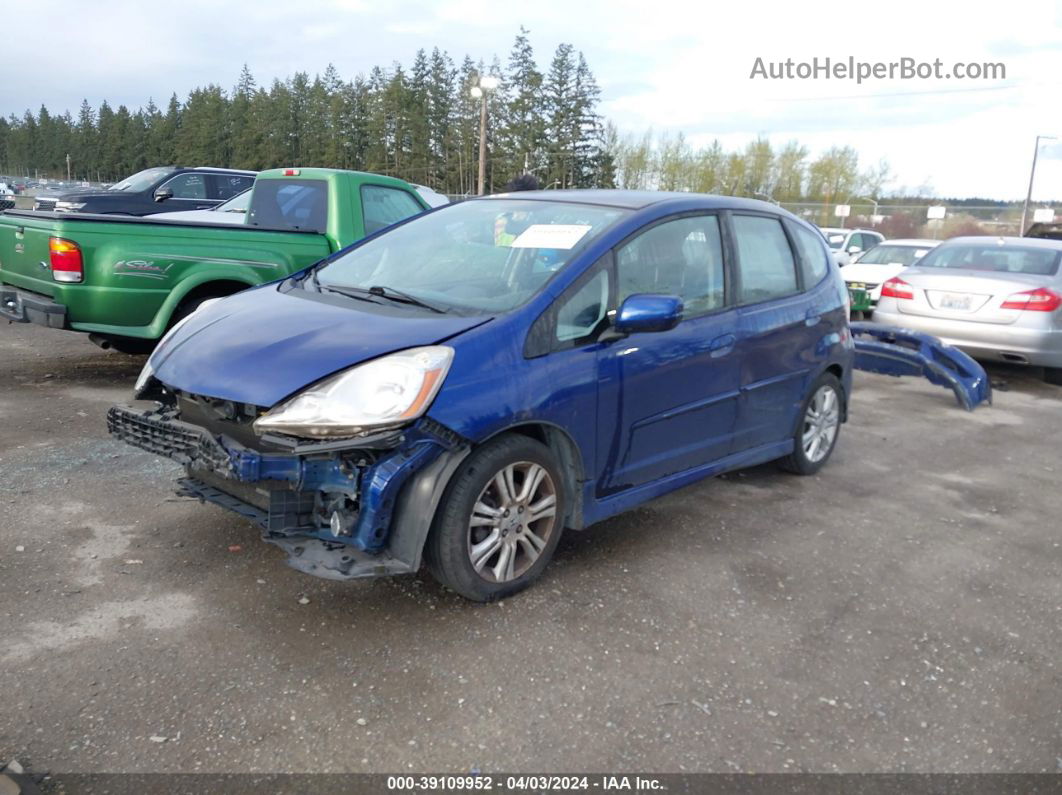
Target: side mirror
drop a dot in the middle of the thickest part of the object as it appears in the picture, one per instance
(854, 250)
(648, 312)
(163, 193)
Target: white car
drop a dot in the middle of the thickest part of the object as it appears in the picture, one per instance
(431, 197)
(868, 271)
(847, 243)
(233, 211)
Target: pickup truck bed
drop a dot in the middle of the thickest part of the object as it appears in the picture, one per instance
(134, 276)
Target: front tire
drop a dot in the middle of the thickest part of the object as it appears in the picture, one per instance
(1053, 375)
(819, 426)
(499, 521)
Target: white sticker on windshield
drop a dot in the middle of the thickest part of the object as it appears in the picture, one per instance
(563, 236)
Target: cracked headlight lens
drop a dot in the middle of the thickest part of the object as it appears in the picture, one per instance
(382, 393)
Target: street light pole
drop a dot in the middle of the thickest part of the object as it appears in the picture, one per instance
(1032, 176)
(486, 84)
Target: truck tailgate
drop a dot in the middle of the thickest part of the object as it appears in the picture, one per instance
(24, 256)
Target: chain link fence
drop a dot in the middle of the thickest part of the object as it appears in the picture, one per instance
(914, 220)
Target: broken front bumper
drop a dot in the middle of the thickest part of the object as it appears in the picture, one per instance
(330, 505)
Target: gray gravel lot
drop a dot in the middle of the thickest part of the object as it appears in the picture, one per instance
(900, 611)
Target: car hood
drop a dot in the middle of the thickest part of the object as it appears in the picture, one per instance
(86, 193)
(262, 345)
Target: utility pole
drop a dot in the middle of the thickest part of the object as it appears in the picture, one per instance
(1032, 176)
(486, 84)
(68, 167)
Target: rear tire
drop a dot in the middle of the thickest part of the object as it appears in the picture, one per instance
(499, 521)
(818, 428)
(1053, 375)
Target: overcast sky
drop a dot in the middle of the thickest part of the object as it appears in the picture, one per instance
(672, 66)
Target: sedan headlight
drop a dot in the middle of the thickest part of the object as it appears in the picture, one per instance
(383, 393)
(69, 206)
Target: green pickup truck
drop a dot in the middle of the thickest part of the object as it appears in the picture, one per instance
(126, 280)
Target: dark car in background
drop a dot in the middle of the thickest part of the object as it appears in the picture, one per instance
(161, 189)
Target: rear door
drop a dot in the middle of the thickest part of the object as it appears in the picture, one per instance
(669, 400)
(776, 331)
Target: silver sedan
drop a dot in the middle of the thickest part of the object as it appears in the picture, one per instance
(997, 298)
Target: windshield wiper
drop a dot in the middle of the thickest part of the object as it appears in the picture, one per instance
(350, 292)
(405, 298)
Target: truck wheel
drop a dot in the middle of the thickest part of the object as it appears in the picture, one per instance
(818, 428)
(499, 521)
(1053, 375)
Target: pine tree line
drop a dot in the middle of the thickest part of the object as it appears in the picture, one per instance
(417, 122)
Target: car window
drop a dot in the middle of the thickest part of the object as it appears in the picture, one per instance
(813, 257)
(382, 207)
(228, 185)
(766, 261)
(289, 204)
(683, 257)
(889, 255)
(188, 186)
(580, 314)
(993, 257)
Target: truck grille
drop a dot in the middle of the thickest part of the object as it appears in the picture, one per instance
(44, 204)
(173, 439)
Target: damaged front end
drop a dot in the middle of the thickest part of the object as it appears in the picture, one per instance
(334, 506)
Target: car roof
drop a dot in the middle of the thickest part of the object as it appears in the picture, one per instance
(635, 199)
(1003, 242)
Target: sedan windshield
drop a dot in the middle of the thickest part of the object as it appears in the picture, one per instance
(993, 257)
(237, 204)
(893, 255)
(142, 180)
(491, 254)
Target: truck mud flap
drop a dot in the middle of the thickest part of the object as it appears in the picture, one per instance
(890, 350)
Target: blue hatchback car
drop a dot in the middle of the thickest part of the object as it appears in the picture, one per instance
(465, 385)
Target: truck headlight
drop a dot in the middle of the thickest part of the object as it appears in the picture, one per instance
(383, 393)
(68, 206)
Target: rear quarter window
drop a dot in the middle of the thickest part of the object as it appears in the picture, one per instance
(814, 261)
(300, 204)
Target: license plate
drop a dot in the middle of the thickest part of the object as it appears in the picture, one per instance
(956, 301)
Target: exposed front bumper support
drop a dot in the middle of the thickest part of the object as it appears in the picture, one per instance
(287, 494)
(895, 351)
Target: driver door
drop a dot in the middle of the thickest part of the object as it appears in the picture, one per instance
(668, 401)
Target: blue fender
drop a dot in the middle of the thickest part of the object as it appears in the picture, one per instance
(890, 350)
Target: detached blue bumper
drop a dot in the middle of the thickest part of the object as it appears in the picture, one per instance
(896, 351)
(342, 492)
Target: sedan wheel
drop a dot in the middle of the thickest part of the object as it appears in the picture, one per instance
(499, 520)
(818, 427)
(512, 521)
(821, 421)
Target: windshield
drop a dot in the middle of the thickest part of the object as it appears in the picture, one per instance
(142, 180)
(237, 204)
(893, 255)
(490, 255)
(835, 239)
(994, 257)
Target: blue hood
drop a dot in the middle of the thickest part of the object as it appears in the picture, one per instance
(261, 345)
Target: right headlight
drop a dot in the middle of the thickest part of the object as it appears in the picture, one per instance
(68, 206)
(382, 393)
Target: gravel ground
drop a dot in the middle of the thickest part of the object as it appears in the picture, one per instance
(901, 611)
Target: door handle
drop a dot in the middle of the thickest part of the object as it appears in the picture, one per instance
(812, 317)
(721, 346)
